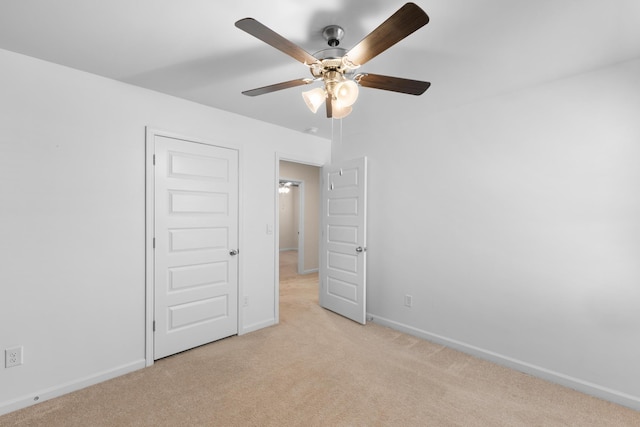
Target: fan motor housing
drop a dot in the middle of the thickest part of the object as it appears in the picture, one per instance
(331, 58)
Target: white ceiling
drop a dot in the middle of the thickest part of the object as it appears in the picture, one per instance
(191, 49)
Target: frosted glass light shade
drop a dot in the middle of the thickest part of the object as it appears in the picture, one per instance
(340, 111)
(314, 98)
(346, 92)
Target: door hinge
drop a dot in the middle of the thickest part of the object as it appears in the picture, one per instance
(154, 160)
(154, 326)
(154, 243)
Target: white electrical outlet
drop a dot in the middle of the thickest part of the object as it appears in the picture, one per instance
(408, 300)
(13, 357)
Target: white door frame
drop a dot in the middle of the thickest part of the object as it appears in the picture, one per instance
(150, 229)
(276, 262)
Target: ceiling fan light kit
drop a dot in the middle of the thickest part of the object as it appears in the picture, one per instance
(346, 92)
(314, 98)
(336, 67)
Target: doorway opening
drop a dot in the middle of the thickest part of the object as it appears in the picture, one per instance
(299, 212)
(291, 231)
(298, 216)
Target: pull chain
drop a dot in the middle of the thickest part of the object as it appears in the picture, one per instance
(336, 137)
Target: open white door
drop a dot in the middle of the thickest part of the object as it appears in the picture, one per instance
(343, 249)
(196, 242)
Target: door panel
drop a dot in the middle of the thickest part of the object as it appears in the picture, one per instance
(343, 253)
(195, 228)
(193, 239)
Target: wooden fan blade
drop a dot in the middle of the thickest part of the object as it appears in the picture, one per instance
(274, 39)
(395, 84)
(329, 103)
(405, 21)
(276, 87)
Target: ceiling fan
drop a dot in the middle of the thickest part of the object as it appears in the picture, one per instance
(336, 67)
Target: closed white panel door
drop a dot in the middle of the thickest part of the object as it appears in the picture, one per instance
(196, 242)
(343, 256)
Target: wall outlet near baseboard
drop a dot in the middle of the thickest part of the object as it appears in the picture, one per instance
(13, 357)
(408, 300)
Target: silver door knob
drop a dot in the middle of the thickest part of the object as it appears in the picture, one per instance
(359, 249)
(233, 252)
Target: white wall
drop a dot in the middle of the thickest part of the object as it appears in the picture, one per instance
(514, 223)
(72, 222)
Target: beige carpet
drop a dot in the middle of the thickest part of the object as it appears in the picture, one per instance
(319, 369)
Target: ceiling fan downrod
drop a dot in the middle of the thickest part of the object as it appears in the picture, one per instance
(333, 34)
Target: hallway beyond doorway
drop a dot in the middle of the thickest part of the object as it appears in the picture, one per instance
(289, 276)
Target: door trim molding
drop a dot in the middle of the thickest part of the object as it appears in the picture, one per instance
(148, 245)
(150, 134)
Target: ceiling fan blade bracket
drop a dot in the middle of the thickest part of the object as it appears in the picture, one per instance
(359, 77)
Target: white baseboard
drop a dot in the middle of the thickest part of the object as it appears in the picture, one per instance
(312, 270)
(256, 326)
(50, 393)
(586, 387)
